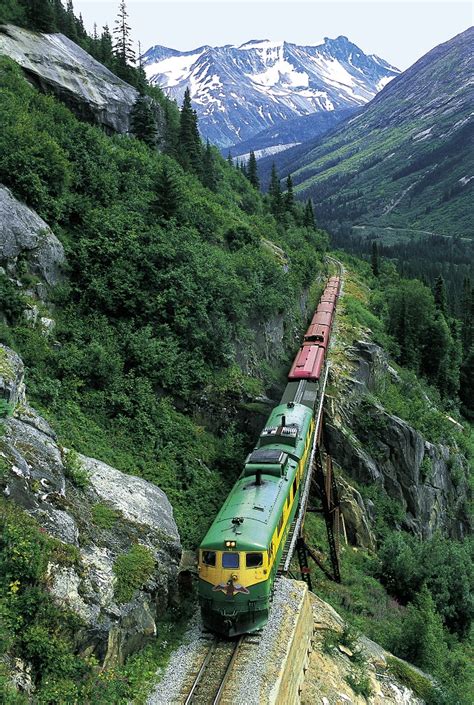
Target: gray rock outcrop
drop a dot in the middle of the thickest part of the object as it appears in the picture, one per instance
(24, 235)
(57, 65)
(103, 513)
(376, 447)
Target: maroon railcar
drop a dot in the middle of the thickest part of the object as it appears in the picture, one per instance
(322, 318)
(326, 307)
(318, 334)
(308, 363)
(328, 297)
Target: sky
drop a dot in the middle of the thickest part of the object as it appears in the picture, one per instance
(399, 32)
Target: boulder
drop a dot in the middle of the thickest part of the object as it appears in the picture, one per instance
(101, 511)
(355, 515)
(24, 234)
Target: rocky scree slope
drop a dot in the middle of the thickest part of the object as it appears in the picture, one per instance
(55, 64)
(405, 160)
(239, 91)
(102, 512)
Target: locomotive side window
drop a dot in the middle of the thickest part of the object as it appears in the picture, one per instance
(209, 558)
(254, 560)
(230, 560)
(295, 487)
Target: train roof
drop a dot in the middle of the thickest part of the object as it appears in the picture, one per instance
(260, 506)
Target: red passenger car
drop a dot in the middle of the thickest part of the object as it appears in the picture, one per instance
(308, 363)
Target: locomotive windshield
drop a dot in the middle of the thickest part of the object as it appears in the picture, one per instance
(209, 557)
(254, 560)
(230, 560)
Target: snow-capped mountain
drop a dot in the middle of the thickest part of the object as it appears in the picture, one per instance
(239, 91)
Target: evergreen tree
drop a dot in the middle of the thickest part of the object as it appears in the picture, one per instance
(168, 194)
(375, 263)
(289, 198)
(209, 177)
(105, 45)
(440, 297)
(466, 387)
(70, 21)
(276, 202)
(190, 149)
(229, 159)
(40, 15)
(123, 47)
(308, 214)
(143, 121)
(467, 314)
(252, 171)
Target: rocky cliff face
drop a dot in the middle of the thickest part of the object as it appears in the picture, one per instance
(57, 65)
(99, 510)
(26, 238)
(374, 446)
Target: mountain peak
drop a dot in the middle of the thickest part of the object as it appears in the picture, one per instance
(238, 91)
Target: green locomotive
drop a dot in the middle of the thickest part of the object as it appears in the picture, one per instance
(240, 554)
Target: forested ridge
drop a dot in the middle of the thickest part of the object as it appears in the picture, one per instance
(173, 260)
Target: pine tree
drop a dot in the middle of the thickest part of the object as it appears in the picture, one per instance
(209, 177)
(40, 15)
(230, 161)
(190, 149)
(123, 47)
(466, 388)
(143, 123)
(375, 262)
(167, 194)
(105, 47)
(308, 215)
(440, 297)
(289, 198)
(276, 203)
(252, 171)
(467, 314)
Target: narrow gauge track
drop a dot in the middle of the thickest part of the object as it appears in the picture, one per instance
(209, 684)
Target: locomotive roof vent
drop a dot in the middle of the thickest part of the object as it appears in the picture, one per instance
(261, 456)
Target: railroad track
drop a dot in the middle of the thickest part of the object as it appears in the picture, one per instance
(210, 681)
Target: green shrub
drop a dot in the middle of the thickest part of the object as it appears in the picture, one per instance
(104, 516)
(360, 684)
(75, 471)
(411, 678)
(132, 570)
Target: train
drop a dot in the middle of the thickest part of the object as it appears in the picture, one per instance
(239, 557)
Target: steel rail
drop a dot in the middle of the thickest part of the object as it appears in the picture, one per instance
(228, 671)
(201, 672)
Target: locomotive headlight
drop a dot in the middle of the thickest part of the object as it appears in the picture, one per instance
(230, 544)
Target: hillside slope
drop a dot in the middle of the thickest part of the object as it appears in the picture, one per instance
(406, 160)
